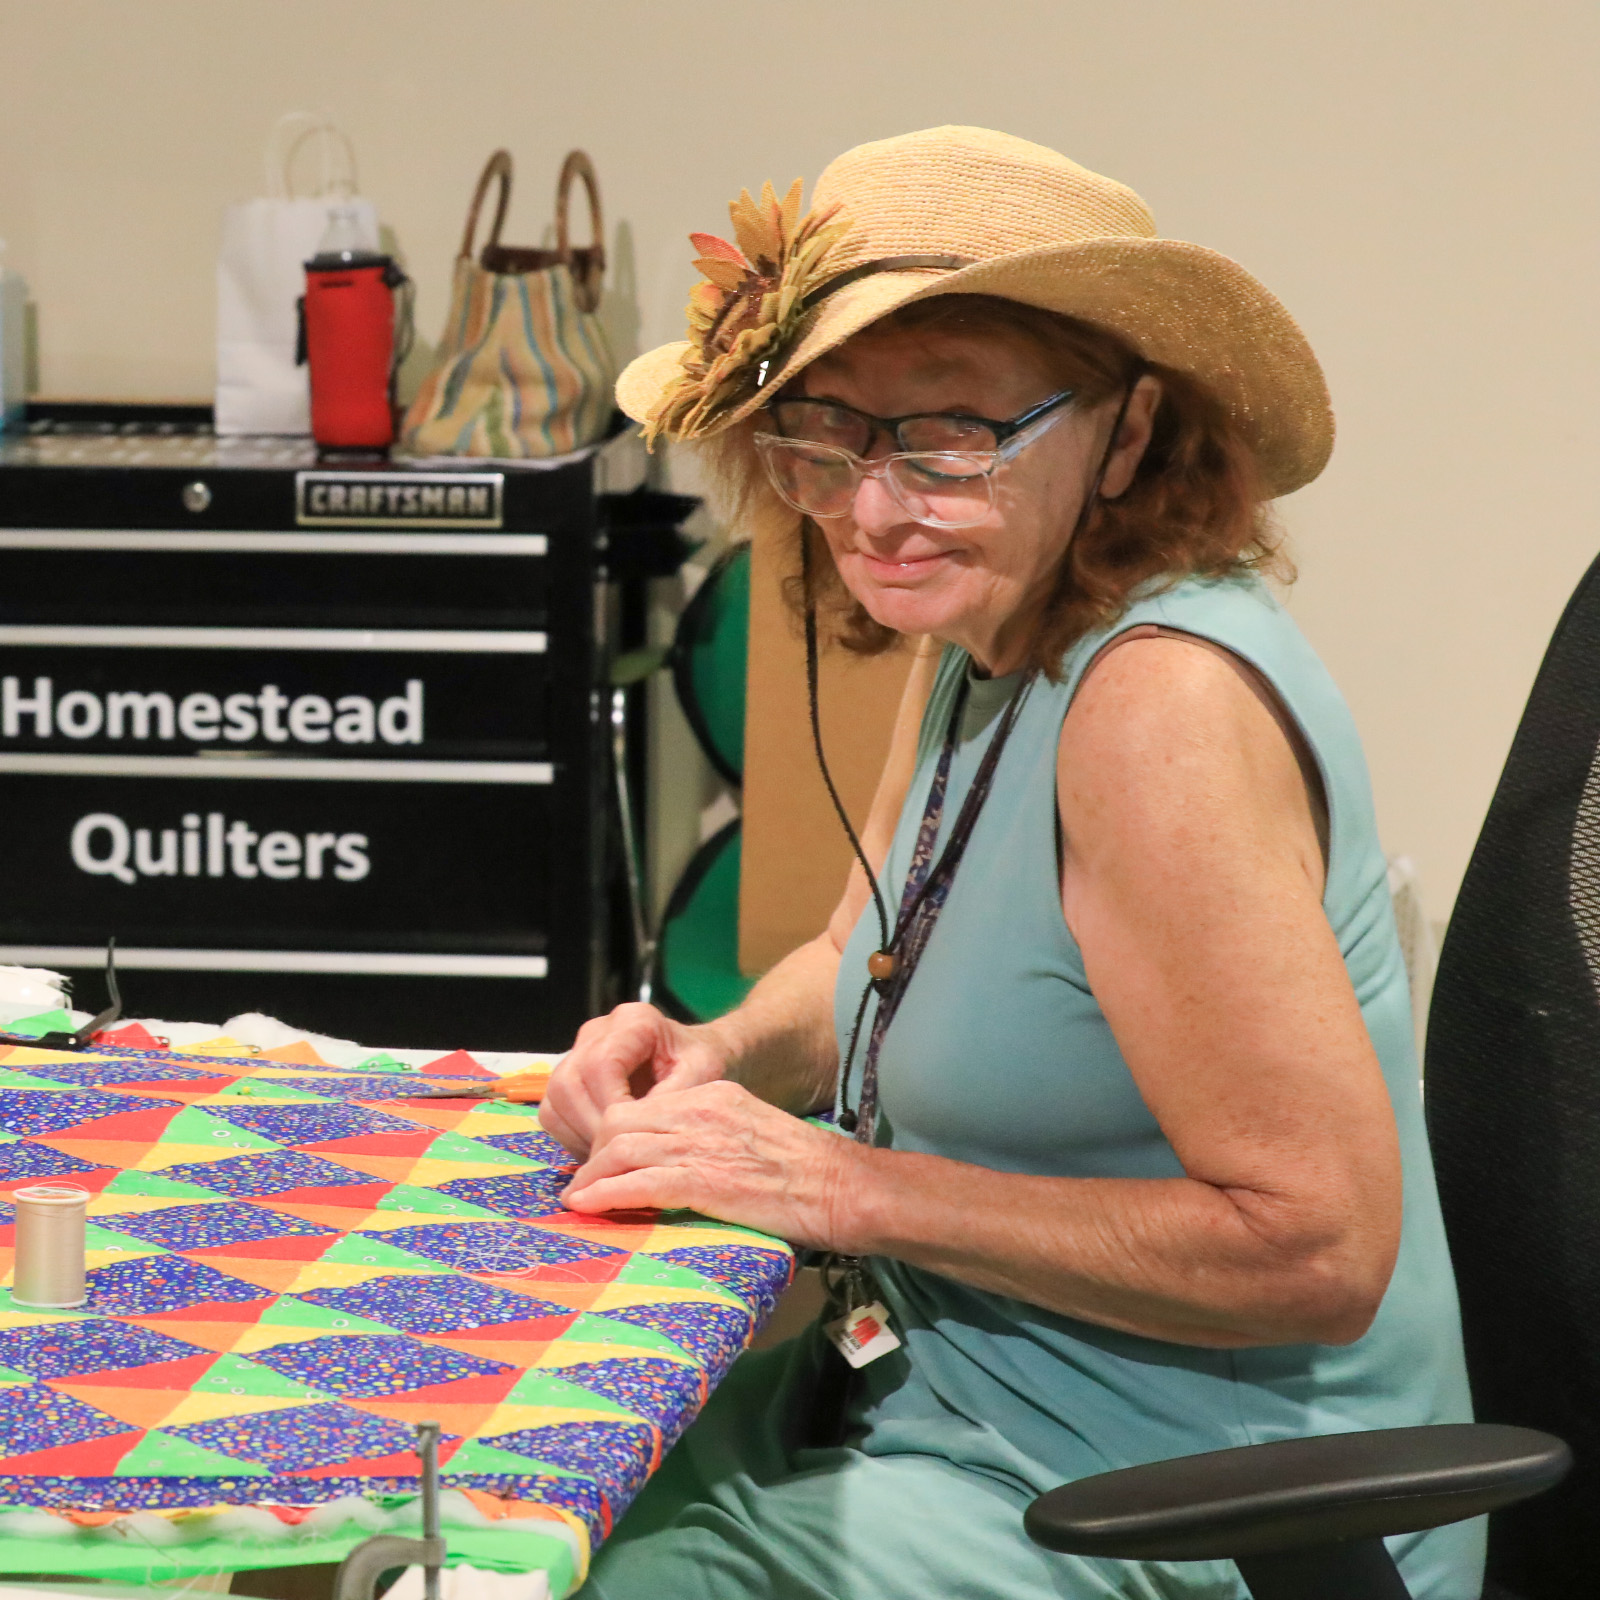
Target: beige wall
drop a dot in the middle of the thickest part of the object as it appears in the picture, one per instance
(1415, 177)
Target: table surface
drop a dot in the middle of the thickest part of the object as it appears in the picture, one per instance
(291, 1263)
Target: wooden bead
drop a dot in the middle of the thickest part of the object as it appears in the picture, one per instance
(881, 965)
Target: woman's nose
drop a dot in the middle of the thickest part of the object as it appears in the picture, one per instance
(875, 509)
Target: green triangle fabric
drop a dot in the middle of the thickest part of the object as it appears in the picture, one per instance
(475, 1456)
(17, 1078)
(542, 1388)
(152, 1186)
(409, 1197)
(165, 1455)
(11, 1375)
(96, 1237)
(452, 1147)
(646, 1271)
(57, 1021)
(369, 1250)
(288, 1312)
(269, 1089)
(595, 1328)
(194, 1126)
(231, 1374)
(44, 1314)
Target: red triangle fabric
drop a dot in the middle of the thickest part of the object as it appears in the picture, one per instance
(91, 1458)
(489, 1389)
(94, 1180)
(288, 1247)
(131, 1036)
(183, 1374)
(143, 1125)
(458, 1064)
(374, 1144)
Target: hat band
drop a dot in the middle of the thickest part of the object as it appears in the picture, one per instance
(884, 264)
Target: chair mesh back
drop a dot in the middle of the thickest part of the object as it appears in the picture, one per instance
(1513, 1090)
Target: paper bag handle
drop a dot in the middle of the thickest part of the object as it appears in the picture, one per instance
(289, 132)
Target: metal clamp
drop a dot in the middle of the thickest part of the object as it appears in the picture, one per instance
(357, 1578)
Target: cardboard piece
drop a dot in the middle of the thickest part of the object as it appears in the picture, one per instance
(794, 854)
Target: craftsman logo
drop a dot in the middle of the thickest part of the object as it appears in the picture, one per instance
(399, 499)
(104, 846)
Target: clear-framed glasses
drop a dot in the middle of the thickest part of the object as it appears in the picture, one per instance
(941, 474)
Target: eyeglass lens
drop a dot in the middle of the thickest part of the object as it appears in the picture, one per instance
(940, 473)
(824, 423)
(942, 489)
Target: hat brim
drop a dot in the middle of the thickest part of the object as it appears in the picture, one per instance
(1180, 305)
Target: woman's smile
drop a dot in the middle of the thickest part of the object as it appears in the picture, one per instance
(903, 564)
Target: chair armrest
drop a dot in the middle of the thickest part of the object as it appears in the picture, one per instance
(1295, 1493)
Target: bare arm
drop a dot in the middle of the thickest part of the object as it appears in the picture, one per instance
(779, 1044)
(1192, 883)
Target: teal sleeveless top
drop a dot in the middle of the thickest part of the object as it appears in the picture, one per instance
(1001, 1056)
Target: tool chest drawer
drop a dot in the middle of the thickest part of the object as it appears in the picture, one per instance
(318, 740)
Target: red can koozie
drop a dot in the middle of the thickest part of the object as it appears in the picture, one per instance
(349, 345)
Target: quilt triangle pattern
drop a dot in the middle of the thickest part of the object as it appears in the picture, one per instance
(291, 1263)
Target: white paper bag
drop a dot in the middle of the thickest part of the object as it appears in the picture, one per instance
(261, 277)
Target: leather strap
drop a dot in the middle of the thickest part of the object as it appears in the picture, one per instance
(884, 264)
(498, 167)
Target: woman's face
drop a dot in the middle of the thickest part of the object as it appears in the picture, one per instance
(981, 587)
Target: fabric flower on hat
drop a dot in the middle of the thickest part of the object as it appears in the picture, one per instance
(749, 305)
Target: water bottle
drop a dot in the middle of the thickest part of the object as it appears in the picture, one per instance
(352, 319)
(13, 344)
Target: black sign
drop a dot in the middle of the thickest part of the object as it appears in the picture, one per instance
(213, 863)
(409, 699)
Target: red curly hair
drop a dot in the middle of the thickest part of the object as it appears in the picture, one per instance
(1196, 507)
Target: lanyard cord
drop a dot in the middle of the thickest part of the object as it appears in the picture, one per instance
(923, 898)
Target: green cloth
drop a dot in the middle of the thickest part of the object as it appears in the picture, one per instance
(1001, 1056)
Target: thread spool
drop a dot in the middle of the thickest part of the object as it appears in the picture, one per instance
(51, 1232)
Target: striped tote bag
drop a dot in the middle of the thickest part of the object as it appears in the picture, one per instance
(522, 369)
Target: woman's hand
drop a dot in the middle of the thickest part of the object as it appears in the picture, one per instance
(633, 1053)
(717, 1149)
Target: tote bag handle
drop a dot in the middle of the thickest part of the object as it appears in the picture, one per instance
(587, 263)
(498, 167)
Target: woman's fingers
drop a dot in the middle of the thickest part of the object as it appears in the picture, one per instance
(561, 1130)
(628, 1152)
(650, 1188)
(600, 1071)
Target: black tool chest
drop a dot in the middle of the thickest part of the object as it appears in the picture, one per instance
(322, 740)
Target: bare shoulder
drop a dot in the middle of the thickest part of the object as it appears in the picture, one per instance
(1166, 743)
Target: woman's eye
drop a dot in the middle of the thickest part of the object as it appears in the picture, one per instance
(947, 433)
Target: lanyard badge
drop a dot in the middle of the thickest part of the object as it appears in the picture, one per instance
(856, 1321)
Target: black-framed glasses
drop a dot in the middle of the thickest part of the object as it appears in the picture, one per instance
(942, 474)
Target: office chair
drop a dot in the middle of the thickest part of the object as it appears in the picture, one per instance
(1513, 1095)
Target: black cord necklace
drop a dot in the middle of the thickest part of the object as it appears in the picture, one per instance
(891, 966)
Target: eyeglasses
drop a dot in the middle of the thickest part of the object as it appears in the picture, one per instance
(942, 473)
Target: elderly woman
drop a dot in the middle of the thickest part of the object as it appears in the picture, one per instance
(1113, 1004)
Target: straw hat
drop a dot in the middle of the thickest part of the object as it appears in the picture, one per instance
(970, 211)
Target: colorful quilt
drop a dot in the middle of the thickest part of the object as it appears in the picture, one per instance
(290, 1264)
